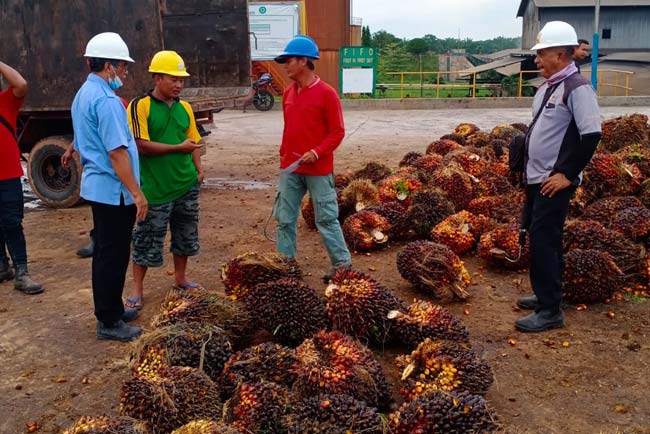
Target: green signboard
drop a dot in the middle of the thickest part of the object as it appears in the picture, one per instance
(358, 70)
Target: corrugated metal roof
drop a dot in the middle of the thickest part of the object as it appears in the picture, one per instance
(497, 64)
(506, 53)
(578, 3)
(639, 56)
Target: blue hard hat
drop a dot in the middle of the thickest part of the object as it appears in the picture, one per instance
(300, 46)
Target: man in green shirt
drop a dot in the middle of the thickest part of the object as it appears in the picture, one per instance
(170, 171)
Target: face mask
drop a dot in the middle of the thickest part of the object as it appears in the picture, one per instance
(115, 82)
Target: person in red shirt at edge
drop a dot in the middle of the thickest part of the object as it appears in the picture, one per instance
(11, 189)
(313, 129)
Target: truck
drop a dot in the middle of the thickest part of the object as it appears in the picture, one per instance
(45, 41)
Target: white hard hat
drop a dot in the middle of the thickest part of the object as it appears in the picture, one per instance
(108, 45)
(556, 34)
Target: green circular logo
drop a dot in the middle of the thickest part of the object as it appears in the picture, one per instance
(263, 10)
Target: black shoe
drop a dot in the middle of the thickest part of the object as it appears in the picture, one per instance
(24, 283)
(528, 302)
(540, 321)
(328, 276)
(130, 313)
(118, 331)
(87, 250)
(6, 272)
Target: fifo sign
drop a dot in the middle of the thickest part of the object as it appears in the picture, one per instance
(358, 70)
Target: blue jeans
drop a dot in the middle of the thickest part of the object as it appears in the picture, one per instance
(287, 207)
(11, 222)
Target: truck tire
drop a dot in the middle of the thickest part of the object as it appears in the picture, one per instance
(55, 185)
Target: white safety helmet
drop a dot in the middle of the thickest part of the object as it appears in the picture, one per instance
(108, 45)
(556, 34)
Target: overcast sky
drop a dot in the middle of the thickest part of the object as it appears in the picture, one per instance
(476, 19)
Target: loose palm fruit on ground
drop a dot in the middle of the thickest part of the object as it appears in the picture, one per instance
(171, 398)
(470, 159)
(334, 414)
(374, 172)
(455, 137)
(604, 210)
(204, 426)
(199, 345)
(288, 309)
(504, 132)
(466, 129)
(502, 208)
(461, 231)
(442, 412)
(427, 209)
(398, 220)
(267, 361)
(359, 195)
(200, 306)
(590, 276)
(399, 189)
(331, 362)
(443, 365)
(106, 425)
(358, 305)
(247, 270)
(632, 222)
(442, 147)
(258, 407)
(422, 320)
(307, 212)
(501, 243)
(365, 231)
(433, 268)
(409, 158)
(625, 130)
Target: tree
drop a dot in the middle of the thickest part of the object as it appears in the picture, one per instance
(382, 39)
(366, 37)
(417, 46)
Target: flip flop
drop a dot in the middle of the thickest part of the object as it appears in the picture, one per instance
(135, 302)
(189, 285)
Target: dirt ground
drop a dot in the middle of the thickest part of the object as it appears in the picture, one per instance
(53, 369)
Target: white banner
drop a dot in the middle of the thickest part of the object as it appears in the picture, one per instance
(358, 80)
(273, 25)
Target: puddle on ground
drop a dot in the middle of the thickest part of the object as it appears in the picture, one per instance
(235, 184)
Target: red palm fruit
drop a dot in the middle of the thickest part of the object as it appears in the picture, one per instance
(442, 147)
(366, 231)
(590, 276)
(503, 209)
(358, 195)
(374, 172)
(456, 183)
(466, 129)
(399, 189)
(501, 244)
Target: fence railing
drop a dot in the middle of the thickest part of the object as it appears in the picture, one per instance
(603, 81)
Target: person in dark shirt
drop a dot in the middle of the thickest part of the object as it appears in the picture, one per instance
(581, 52)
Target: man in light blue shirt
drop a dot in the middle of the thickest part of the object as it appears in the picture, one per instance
(110, 180)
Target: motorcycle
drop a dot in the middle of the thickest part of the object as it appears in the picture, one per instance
(263, 99)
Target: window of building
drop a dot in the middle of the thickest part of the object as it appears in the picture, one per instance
(607, 33)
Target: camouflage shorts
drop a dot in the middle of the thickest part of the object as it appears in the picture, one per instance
(182, 216)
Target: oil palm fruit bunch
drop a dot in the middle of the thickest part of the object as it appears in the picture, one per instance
(106, 425)
(359, 195)
(466, 129)
(399, 189)
(638, 156)
(493, 183)
(357, 305)
(455, 137)
(397, 219)
(373, 171)
(204, 426)
(204, 346)
(409, 158)
(428, 163)
(433, 268)
(644, 193)
(422, 320)
(460, 231)
(444, 412)
(334, 414)
(258, 407)
(605, 175)
(502, 243)
(500, 149)
(243, 272)
(366, 231)
(445, 366)
(342, 180)
(625, 130)
(333, 363)
(171, 398)
(480, 139)
(502, 208)
(199, 306)
(632, 222)
(581, 198)
(456, 183)
(307, 212)
(521, 127)
(504, 132)
(288, 308)
(268, 361)
(442, 147)
(591, 235)
(428, 209)
(604, 210)
(470, 159)
(590, 276)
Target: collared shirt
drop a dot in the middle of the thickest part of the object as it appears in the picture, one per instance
(100, 126)
(10, 166)
(169, 176)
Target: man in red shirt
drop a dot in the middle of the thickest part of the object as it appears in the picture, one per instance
(11, 189)
(313, 129)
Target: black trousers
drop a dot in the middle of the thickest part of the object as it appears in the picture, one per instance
(112, 234)
(544, 219)
(11, 222)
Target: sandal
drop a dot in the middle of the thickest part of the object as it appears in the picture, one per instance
(135, 302)
(189, 285)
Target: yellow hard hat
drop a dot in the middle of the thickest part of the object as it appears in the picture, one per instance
(168, 62)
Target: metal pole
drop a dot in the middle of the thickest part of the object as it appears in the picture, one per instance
(594, 52)
(421, 79)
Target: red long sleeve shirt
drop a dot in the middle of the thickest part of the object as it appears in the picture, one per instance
(313, 120)
(10, 166)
